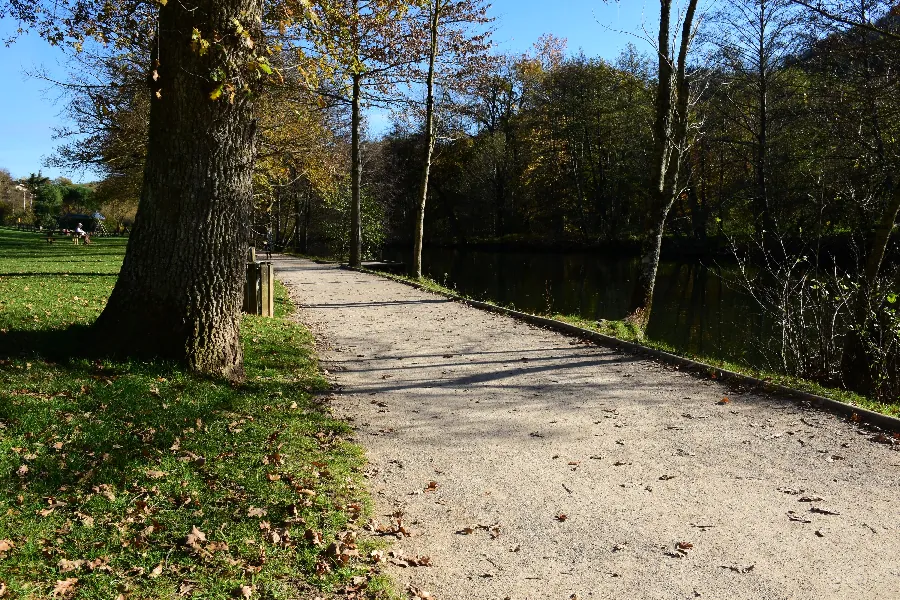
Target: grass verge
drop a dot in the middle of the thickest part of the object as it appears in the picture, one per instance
(138, 480)
(628, 333)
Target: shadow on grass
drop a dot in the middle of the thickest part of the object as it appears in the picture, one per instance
(128, 456)
(55, 345)
(44, 274)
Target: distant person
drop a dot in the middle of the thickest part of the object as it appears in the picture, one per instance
(81, 235)
(267, 245)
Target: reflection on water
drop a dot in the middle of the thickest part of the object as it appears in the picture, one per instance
(695, 310)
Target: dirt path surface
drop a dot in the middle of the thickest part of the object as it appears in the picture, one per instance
(566, 469)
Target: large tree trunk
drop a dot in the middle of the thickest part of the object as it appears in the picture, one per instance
(416, 270)
(669, 135)
(178, 293)
(355, 180)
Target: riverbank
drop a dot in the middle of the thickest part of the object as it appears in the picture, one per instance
(142, 478)
(524, 463)
(675, 247)
(624, 332)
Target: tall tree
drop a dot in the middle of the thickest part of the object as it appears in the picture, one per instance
(367, 48)
(670, 138)
(459, 59)
(178, 292)
(755, 38)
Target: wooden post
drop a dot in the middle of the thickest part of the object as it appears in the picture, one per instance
(251, 289)
(251, 254)
(267, 289)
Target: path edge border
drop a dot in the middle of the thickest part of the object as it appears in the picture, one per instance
(864, 415)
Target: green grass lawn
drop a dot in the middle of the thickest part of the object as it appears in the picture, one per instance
(138, 480)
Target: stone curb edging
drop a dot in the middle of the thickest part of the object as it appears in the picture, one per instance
(864, 415)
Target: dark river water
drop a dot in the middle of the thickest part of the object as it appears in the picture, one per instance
(695, 309)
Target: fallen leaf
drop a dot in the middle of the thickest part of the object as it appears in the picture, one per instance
(666, 477)
(245, 591)
(6, 546)
(416, 592)
(256, 512)
(724, 400)
(65, 588)
(66, 566)
(313, 537)
(797, 518)
(195, 537)
(561, 517)
(432, 486)
(823, 511)
(738, 568)
(154, 474)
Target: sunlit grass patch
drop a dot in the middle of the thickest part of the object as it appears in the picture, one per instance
(141, 480)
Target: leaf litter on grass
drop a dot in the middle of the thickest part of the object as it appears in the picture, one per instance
(141, 475)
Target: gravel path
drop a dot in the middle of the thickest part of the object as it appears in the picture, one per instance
(565, 470)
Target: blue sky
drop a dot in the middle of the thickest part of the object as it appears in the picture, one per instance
(28, 114)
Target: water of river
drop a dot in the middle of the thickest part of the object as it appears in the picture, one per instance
(695, 309)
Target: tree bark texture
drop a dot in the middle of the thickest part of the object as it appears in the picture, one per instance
(356, 179)
(179, 291)
(429, 142)
(669, 136)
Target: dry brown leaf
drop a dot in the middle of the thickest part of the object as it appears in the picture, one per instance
(185, 589)
(6, 546)
(797, 518)
(98, 564)
(823, 511)
(738, 568)
(724, 400)
(65, 566)
(562, 517)
(313, 537)
(416, 592)
(154, 474)
(256, 512)
(683, 547)
(195, 537)
(157, 571)
(2, 590)
(245, 591)
(64, 588)
(432, 486)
